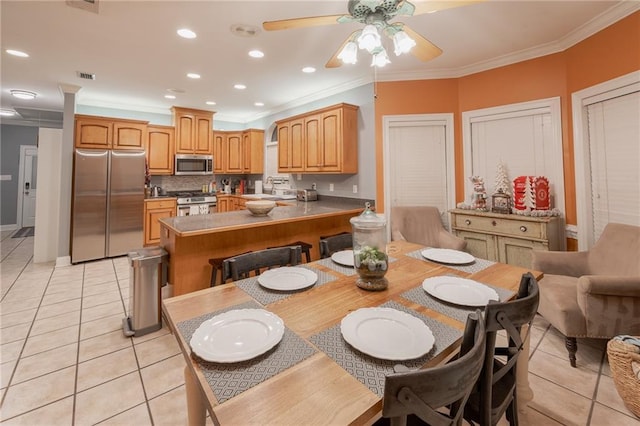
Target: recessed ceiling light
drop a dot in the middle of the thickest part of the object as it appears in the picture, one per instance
(259, 104)
(186, 33)
(23, 94)
(240, 86)
(170, 96)
(256, 54)
(210, 103)
(193, 75)
(7, 112)
(17, 53)
(308, 69)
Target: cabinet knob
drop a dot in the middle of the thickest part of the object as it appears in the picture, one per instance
(467, 222)
(494, 223)
(523, 228)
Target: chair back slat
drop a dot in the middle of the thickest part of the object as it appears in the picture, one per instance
(241, 266)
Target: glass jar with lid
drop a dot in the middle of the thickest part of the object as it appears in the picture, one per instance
(370, 249)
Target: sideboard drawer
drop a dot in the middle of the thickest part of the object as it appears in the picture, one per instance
(492, 225)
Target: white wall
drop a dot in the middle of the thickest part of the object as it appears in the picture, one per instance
(45, 247)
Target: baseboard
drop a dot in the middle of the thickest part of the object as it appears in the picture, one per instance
(11, 227)
(63, 261)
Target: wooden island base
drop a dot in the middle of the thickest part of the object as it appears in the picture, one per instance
(189, 255)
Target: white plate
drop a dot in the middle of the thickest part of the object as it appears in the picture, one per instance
(387, 333)
(452, 257)
(344, 257)
(460, 291)
(237, 335)
(287, 278)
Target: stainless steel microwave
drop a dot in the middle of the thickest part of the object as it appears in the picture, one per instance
(187, 164)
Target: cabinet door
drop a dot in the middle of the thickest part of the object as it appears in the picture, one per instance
(331, 133)
(256, 153)
(155, 210)
(222, 204)
(297, 147)
(129, 135)
(185, 129)
(284, 146)
(313, 139)
(480, 245)
(160, 148)
(516, 251)
(234, 153)
(202, 135)
(93, 133)
(219, 152)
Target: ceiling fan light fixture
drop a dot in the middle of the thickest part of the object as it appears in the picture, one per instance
(369, 39)
(402, 43)
(349, 54)
(380, 58)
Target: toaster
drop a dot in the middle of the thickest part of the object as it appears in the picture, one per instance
(307, 195)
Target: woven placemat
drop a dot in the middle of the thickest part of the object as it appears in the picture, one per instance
(421, 297)
(344, 270)
(371, 371)
(266, 296)
(477, 266)
(229, 380)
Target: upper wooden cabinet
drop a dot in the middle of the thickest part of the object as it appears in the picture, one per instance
(193, 131)
(238, 152)
(160, 149)
(322, 141)
(109, 133)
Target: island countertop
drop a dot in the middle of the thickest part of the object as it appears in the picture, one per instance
(185, 226)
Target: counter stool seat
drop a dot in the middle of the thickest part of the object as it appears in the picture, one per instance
(306, 248)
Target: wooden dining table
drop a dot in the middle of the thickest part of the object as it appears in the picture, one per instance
(325, 386)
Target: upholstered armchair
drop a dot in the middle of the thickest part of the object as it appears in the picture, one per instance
(422, 225)
(594, 293)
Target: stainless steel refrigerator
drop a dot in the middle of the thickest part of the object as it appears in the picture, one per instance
(108, 203)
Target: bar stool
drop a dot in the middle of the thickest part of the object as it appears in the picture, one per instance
(306, 248)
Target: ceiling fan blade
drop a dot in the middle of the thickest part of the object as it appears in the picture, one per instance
(312, 21)
(334, 62)
(424, 49)
(428, 6)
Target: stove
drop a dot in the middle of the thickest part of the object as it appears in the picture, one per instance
(195, 203)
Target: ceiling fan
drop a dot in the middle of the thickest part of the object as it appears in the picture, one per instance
(375, 15)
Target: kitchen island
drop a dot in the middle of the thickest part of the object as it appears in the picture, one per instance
(192, 240)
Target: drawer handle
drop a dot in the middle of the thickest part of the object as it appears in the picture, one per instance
(467, 222)
(523, 228)
(494, 223)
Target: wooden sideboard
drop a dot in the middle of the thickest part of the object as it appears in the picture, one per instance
(507, 238)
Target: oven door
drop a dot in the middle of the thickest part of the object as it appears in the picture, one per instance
(196, 209)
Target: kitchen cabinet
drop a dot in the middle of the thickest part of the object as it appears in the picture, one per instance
(238, 152)
(96, 132)
(193, 131)
(155, 209)
(321, 141)
(507, 238)
(291, 146)
(160, 149)
(224, 203)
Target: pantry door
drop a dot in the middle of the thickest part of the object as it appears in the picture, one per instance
(418, 162)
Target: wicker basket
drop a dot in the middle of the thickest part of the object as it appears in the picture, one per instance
(621, 355)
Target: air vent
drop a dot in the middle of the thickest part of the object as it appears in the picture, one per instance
(88, 5)
(243, 30)
(86, 75)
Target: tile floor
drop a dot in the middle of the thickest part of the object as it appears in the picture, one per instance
(64, 359)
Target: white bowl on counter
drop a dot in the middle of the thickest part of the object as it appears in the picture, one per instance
(260, 207)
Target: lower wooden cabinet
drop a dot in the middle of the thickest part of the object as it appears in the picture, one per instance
(507, 238)
(154, 210)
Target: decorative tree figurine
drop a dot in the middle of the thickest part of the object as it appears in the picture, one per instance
(502, 181)
(529, 197)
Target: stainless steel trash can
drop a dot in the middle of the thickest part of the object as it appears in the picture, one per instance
(147, 274)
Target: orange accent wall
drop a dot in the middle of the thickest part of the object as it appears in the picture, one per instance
(610, 53)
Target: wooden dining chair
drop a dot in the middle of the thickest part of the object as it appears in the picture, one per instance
(495, 392)
(417, 395)
(241, 266)
(334, 243)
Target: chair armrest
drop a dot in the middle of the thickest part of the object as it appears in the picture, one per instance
(396, 235)
(571, 263)
(450, 241)
(609, 285)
